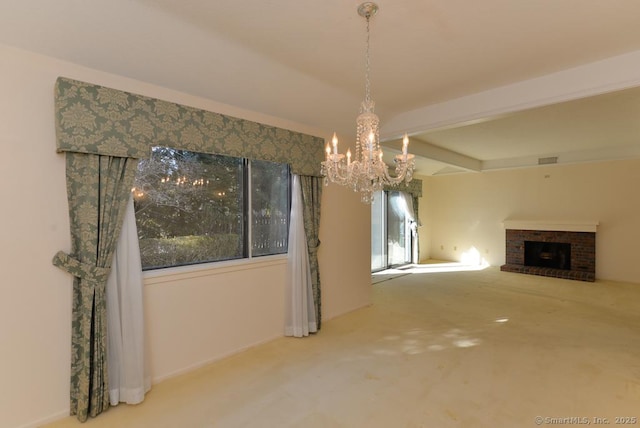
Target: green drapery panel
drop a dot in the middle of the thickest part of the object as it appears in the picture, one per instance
(98, 188)
(416, 211)
(99, 120)
(311, 195)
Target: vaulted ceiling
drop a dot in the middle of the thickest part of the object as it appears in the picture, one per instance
(478, 85)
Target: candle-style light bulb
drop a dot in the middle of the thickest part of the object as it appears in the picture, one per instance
(334, 140)
(405, 146)
(348, 157)
(328, 150)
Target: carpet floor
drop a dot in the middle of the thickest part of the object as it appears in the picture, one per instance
(437, 348)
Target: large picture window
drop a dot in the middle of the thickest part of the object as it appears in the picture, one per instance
(198, 208)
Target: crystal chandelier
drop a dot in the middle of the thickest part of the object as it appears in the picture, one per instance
(366, 173)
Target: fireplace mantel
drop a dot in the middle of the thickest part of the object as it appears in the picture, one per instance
(559, 226)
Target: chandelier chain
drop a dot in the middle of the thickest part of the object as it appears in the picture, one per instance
(367, 88)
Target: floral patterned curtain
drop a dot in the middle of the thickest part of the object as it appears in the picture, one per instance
(98, 188)
(311, 196)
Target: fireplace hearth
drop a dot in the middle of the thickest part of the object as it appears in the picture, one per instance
(569, 253)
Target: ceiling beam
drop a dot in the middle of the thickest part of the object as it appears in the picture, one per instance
(608, 75)
(427, 150)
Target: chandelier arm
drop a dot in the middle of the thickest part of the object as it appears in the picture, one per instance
(336, 172)
(394, 180)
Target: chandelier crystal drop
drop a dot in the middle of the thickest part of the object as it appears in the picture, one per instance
(366, 172)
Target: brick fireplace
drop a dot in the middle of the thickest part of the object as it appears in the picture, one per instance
(560, 250)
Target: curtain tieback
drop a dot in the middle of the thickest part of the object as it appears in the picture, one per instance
(313, 249)
(79, 269)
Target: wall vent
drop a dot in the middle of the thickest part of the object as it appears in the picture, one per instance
(547, 161)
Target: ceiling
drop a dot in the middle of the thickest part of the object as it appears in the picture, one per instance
(478, 85)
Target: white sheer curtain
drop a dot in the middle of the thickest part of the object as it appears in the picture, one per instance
(407, 202)
(129, 379)
(300, 315)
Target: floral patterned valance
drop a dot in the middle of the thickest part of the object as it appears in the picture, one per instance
(414, 187)
(99, 120)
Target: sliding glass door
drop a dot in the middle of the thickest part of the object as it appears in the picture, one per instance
(398, 231)
(391, 234)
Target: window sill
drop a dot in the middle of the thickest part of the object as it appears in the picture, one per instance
(209, 269)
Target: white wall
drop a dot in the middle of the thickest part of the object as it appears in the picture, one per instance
(191, 318)
(198, 316)
(345, 235)
(466, 211)
(424, 230)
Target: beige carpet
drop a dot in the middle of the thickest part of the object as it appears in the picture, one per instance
(443, 349)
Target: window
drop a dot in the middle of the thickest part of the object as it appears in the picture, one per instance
(270, 206)
(194, 208)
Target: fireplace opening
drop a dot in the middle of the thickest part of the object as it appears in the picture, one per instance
(547, 254)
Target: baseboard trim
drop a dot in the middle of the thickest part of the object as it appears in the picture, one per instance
(49, 419)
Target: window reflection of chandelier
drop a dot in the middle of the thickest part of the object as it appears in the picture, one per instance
(367, 172)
